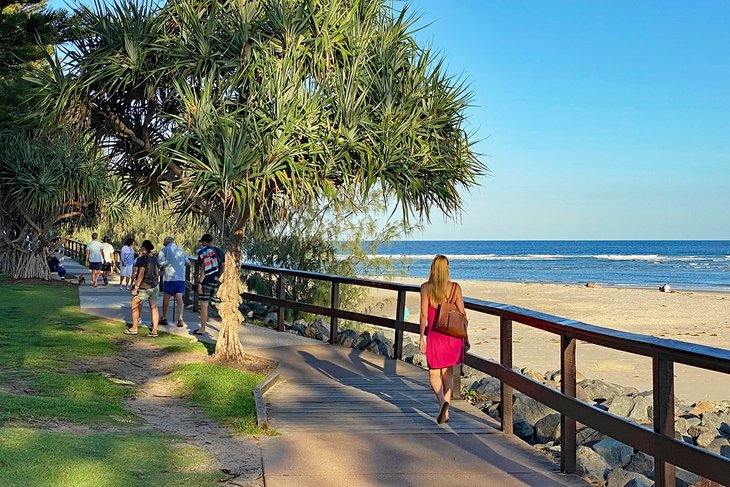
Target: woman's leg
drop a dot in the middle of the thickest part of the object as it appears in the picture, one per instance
(155, 316)
(434, 376)
(136, 308)
(447, 379)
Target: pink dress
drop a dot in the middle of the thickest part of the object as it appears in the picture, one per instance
(441, 350)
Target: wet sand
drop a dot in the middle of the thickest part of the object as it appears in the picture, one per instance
(696, 317)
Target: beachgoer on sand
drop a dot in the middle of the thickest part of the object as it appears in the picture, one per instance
(146, 288)
(107, 256)
(442, 351)
(126, 264)
(94, 258)
(210, 261)
(173, 260)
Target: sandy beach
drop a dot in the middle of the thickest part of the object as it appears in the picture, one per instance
(695, 317)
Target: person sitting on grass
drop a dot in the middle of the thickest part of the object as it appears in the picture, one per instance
(146, 288)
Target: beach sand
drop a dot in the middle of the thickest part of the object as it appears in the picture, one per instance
(696, 317)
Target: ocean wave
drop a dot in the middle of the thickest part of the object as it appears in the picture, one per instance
(552, 257)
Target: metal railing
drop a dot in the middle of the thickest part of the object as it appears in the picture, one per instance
(658, 442)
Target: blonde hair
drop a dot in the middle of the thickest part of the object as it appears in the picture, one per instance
(438, 280)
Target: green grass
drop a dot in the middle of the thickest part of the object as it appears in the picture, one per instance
(224, 394)
(41, 458)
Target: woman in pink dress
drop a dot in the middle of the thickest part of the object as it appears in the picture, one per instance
(442, 351)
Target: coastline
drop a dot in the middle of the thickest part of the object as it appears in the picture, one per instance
(700, 317)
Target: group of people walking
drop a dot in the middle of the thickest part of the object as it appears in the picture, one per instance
(140, 273)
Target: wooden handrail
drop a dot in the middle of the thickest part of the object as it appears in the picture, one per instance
(658, 442)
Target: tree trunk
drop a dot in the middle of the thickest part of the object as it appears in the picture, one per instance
(23, 263)
(229, 347)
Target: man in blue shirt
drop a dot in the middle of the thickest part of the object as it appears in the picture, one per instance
(173, 260)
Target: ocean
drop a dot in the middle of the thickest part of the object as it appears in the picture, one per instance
(684, 264)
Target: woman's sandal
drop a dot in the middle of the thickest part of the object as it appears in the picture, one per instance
(442, 415)
(198, 332)
(152, 334)
(129, 332)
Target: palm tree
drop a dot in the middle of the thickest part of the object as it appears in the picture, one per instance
(237, 110)
(48, 184)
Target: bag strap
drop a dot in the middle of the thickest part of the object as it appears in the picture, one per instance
(453, 293)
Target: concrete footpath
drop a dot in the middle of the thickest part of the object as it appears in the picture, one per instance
(357, 419)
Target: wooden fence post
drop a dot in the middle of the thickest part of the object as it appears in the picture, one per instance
(663, 389)
(335, 304)
(280, 293)
(505, 358)
(400, 314)
(567, 387)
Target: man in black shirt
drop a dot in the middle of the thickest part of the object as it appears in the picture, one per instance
(146, 288)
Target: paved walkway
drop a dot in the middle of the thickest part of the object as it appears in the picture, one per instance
(357, 419)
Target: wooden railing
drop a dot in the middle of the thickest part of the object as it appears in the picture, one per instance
(658, 442)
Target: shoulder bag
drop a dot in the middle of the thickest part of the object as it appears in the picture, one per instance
(449, 320)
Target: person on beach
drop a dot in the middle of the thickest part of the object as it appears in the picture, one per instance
(126, 264)
(173, 260)
(442, 351)
(210, 262)
(107, 256)
(146, 288)
(94, 258)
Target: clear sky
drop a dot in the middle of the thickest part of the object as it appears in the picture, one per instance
(599, 119)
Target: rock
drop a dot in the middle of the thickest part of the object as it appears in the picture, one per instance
(615, 453)
(555, 375)
(692, 421)
(705, 439)
(317, 330)
(419, 360)
(641, 463)
(523, 429)
(620, 478)
(702, 407)
(296, 328)
(347, 338)
(717, 444)
(472, 373)
(601, 391)
(581, 394)
(724, 450)
(587, 435)
(493, 411)
(639, 483)
(384, 345)
(590, 465)
(363, 340)
(548, 428)
(681, 425)
(530, 410)
(686, 478)
(271, 318)
(489, 389)
(719, 421)
(621, 406)
(527, 372)
(642, 412)
(410, 349)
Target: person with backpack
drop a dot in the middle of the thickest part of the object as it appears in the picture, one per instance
(210, 263)
(146, 288)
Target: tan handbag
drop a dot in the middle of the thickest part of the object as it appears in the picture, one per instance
(449, 320)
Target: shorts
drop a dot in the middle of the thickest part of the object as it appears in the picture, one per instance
(210, 293)
(148, 294)
(94, 266)
(173, 287)
(126, 271)
(106, 267)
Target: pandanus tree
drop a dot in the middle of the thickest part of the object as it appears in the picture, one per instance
(236, 111)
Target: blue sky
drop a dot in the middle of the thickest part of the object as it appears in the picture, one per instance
(599, 120)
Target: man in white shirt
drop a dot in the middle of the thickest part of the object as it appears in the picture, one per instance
(94, 258)
(107, 257)
(173, 260)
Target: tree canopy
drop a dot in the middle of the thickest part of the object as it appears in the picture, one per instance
(231, 110)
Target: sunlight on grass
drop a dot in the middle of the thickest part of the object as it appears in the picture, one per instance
(111, 459)
(225, 394)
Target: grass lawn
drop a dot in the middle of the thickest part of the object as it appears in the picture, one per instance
(47, 355)
(224, 393)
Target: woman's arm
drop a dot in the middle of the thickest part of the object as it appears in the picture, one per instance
(423, 317)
